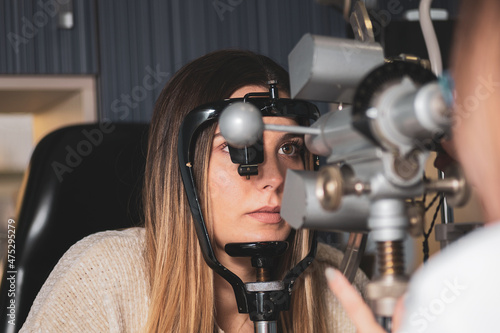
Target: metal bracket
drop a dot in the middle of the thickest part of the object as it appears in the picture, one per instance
(353, 255)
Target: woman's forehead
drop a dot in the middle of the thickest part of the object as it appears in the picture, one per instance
(279, 120)
(240, 93)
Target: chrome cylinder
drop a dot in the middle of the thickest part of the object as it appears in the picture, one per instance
(266, 327)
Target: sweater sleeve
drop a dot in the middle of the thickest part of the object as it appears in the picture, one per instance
(328, 256)
(97, 286)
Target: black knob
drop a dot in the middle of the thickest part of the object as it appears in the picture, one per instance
(262, 253)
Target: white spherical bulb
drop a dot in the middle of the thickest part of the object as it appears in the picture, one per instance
(241, 124)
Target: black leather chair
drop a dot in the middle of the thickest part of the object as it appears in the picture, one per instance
(81, 179)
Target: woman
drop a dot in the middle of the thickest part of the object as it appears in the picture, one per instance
(156, 280)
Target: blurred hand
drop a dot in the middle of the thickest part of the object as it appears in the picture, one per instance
(357, 310)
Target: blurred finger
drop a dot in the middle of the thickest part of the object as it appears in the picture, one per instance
(398, 314)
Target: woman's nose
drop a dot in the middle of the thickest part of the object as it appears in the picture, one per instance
(271, 174)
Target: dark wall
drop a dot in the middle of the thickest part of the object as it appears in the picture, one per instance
(32, 43)
(141, 44)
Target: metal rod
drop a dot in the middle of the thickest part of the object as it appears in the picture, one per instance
(263, 274)
(446, 210)
(447, 186)
(292, 129)
(353, 255)
(266, 327)
(386, 323)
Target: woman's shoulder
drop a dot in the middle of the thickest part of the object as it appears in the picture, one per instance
(127, 240)
(109, 249)
(328, 255)
(131, 236)
(97, 279)
(101, 255)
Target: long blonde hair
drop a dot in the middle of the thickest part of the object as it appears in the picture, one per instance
(181, 283)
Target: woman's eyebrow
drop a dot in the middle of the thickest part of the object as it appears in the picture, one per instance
(289, 136)
(284, 137)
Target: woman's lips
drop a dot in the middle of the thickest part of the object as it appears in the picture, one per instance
(267, 215)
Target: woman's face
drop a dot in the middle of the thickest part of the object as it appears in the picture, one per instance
(248, 210)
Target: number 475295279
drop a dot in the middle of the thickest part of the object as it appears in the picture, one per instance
(11, 247)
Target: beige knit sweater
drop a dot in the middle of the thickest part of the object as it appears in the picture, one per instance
(100, 285)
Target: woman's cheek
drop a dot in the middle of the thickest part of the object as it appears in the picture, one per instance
(223, 183)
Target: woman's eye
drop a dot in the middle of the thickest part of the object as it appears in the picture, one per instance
(225, 147)
(289, 149)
